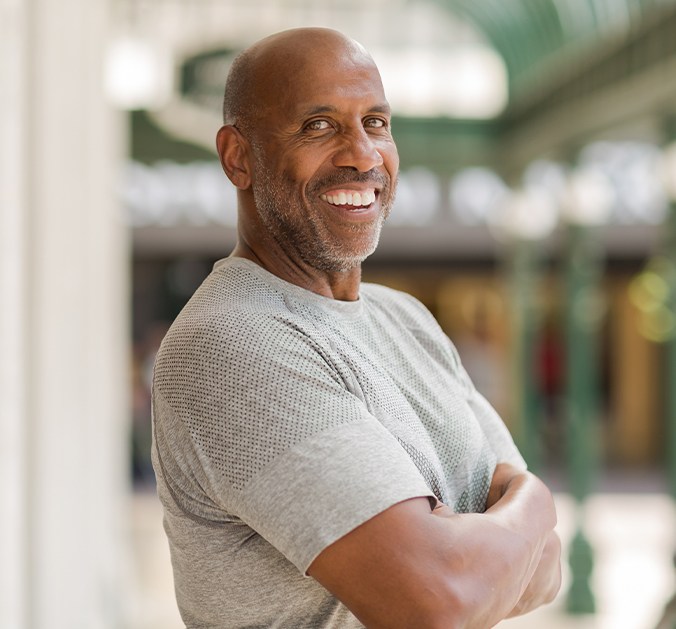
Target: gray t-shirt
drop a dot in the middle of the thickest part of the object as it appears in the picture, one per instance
(283, 420)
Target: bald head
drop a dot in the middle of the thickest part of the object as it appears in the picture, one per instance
(262, 74)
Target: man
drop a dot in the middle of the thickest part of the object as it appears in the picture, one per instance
(322, 457)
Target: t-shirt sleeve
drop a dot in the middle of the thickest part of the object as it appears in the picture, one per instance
(265, 427)
(326, 486)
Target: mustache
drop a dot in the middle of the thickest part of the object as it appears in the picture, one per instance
(342, 177)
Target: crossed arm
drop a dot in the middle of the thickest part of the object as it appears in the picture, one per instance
(412, 566)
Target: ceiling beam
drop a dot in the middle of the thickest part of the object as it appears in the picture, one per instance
(632, 80)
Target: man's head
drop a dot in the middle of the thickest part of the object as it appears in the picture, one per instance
(307, 142)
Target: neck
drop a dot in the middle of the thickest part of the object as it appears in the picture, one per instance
(341, 285)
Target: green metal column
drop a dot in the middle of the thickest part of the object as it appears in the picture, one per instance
(668, 273)
(525, 273)
(584, 309)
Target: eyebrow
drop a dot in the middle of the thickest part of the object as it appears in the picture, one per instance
(382, 108)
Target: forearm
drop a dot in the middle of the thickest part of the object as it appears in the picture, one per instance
(465, 571)
(409, 566)
(514, 544)
(488, 574)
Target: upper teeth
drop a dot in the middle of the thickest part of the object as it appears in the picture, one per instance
(350, 198)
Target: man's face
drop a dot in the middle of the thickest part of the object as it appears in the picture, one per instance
(325, 163)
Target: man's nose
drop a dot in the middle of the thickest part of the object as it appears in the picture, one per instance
(357, 151)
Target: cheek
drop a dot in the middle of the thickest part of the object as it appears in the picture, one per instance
(393, 160)
(390, 160)
(288, 179)
(296, 174)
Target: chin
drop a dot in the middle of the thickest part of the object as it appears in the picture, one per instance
(341, 263)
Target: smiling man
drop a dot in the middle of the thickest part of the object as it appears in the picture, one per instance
(320, 171)
(321, 455)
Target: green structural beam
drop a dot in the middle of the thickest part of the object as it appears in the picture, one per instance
(584, 311)
(525, 275)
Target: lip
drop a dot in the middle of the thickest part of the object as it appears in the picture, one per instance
(354, 187)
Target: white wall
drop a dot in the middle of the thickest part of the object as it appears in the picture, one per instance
(63, 322)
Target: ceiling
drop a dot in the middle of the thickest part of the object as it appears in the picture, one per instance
(576, 69)
(534, 35)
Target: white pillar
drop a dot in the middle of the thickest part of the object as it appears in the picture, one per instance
(12, 313)
(63, 321)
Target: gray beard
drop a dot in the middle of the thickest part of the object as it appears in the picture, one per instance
(282, 214)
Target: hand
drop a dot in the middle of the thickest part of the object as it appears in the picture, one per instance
(546, 580)
(503, 475)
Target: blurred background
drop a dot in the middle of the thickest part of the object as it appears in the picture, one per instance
(536, 218)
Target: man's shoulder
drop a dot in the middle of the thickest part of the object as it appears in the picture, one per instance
(232, 304)
(233, 292)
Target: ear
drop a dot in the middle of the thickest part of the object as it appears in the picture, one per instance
(232, 150)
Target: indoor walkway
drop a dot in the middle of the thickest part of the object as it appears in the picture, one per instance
(632, 534)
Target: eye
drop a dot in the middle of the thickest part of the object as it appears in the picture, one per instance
(375, 123)
(317, 125)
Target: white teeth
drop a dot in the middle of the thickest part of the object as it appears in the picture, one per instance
(355, 199)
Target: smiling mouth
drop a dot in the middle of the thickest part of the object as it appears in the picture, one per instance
(351, 198)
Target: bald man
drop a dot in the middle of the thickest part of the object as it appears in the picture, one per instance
(321, 455)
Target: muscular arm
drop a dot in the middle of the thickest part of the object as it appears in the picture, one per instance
(414, 566)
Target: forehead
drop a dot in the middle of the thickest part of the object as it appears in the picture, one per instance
(346, 80)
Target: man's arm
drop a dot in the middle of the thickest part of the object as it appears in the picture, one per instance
(411, 566)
